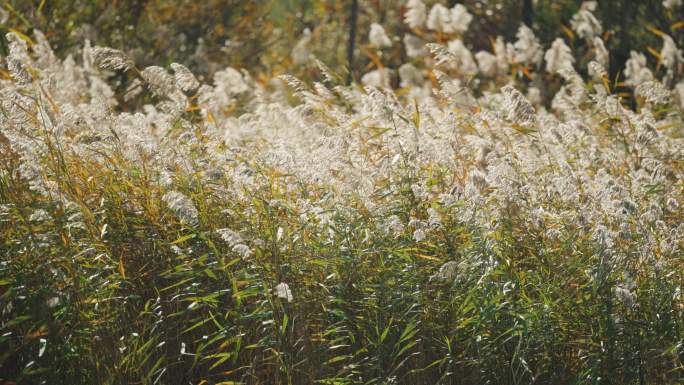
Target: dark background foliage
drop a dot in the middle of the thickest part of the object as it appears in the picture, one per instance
(258, 35)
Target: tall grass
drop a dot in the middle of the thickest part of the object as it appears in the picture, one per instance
(246, 234)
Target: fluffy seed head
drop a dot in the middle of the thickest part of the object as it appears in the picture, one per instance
(110, 59)
(185, 80)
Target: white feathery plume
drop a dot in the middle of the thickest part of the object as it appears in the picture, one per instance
(672, 4)
(182, 206)
(534, 96)
(377, 37)
(379, 78)
(42, 50)
(679, 92)
(301, 53)
(416, 14)
(585, 23)
(439, 19)
(442, 54)
(636, 71)
(460, 19)
(409, 75)
(111, 59)
(419, 235)
(528, 50)
(487, 63)
(4, 16)
(328, 75)
(505, 54)
(185, 80)
(18, 71)
(670, 55)
(242, 250)
(601, 54)
(161, 83)
(283, 292)
(447, 272)
(415, 47)
(597, 71)
(18, 48)
(229, 236)
(558, 57)
(574, 86)
(450, 88)
(653, 92)
(518, 109)
(465, 61)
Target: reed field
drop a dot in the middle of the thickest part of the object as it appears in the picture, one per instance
(438, 214)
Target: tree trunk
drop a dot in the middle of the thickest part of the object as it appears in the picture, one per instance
(528, 12)
(352, 39)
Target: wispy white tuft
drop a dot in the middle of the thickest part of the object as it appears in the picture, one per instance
(301, 53)
(377, 37)
(242, 250)
(111, 59)
(229, 236)
(518, 109)
(670, 54)
(185, 80)
(527, 48)
(439, 18)
(409, 76)
(585, 23)
(379, 78)
(415, 46)
(487, 63)
(283, 292)
(558, 57)
(416, 14)
(460, 19)
(465, 63)
(419, 235)
(672, 4)
(182, 206)
(654, 92)
(159, 81)
(636, 71)
(601, 54)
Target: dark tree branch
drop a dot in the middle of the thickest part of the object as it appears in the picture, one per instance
(528, 12)
(352, 38)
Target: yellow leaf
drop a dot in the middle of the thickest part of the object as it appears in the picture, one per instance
(655, 53)
(677, 25)
(428, 257)
(22, 36)
(606, 83)
(223, 345)
(122, 270)
(229, 372)
(568, 32)
(656, 31)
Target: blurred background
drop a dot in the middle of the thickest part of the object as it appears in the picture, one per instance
(260, 35)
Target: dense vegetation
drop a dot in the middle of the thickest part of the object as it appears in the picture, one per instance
(507, 212)
(260, 34)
